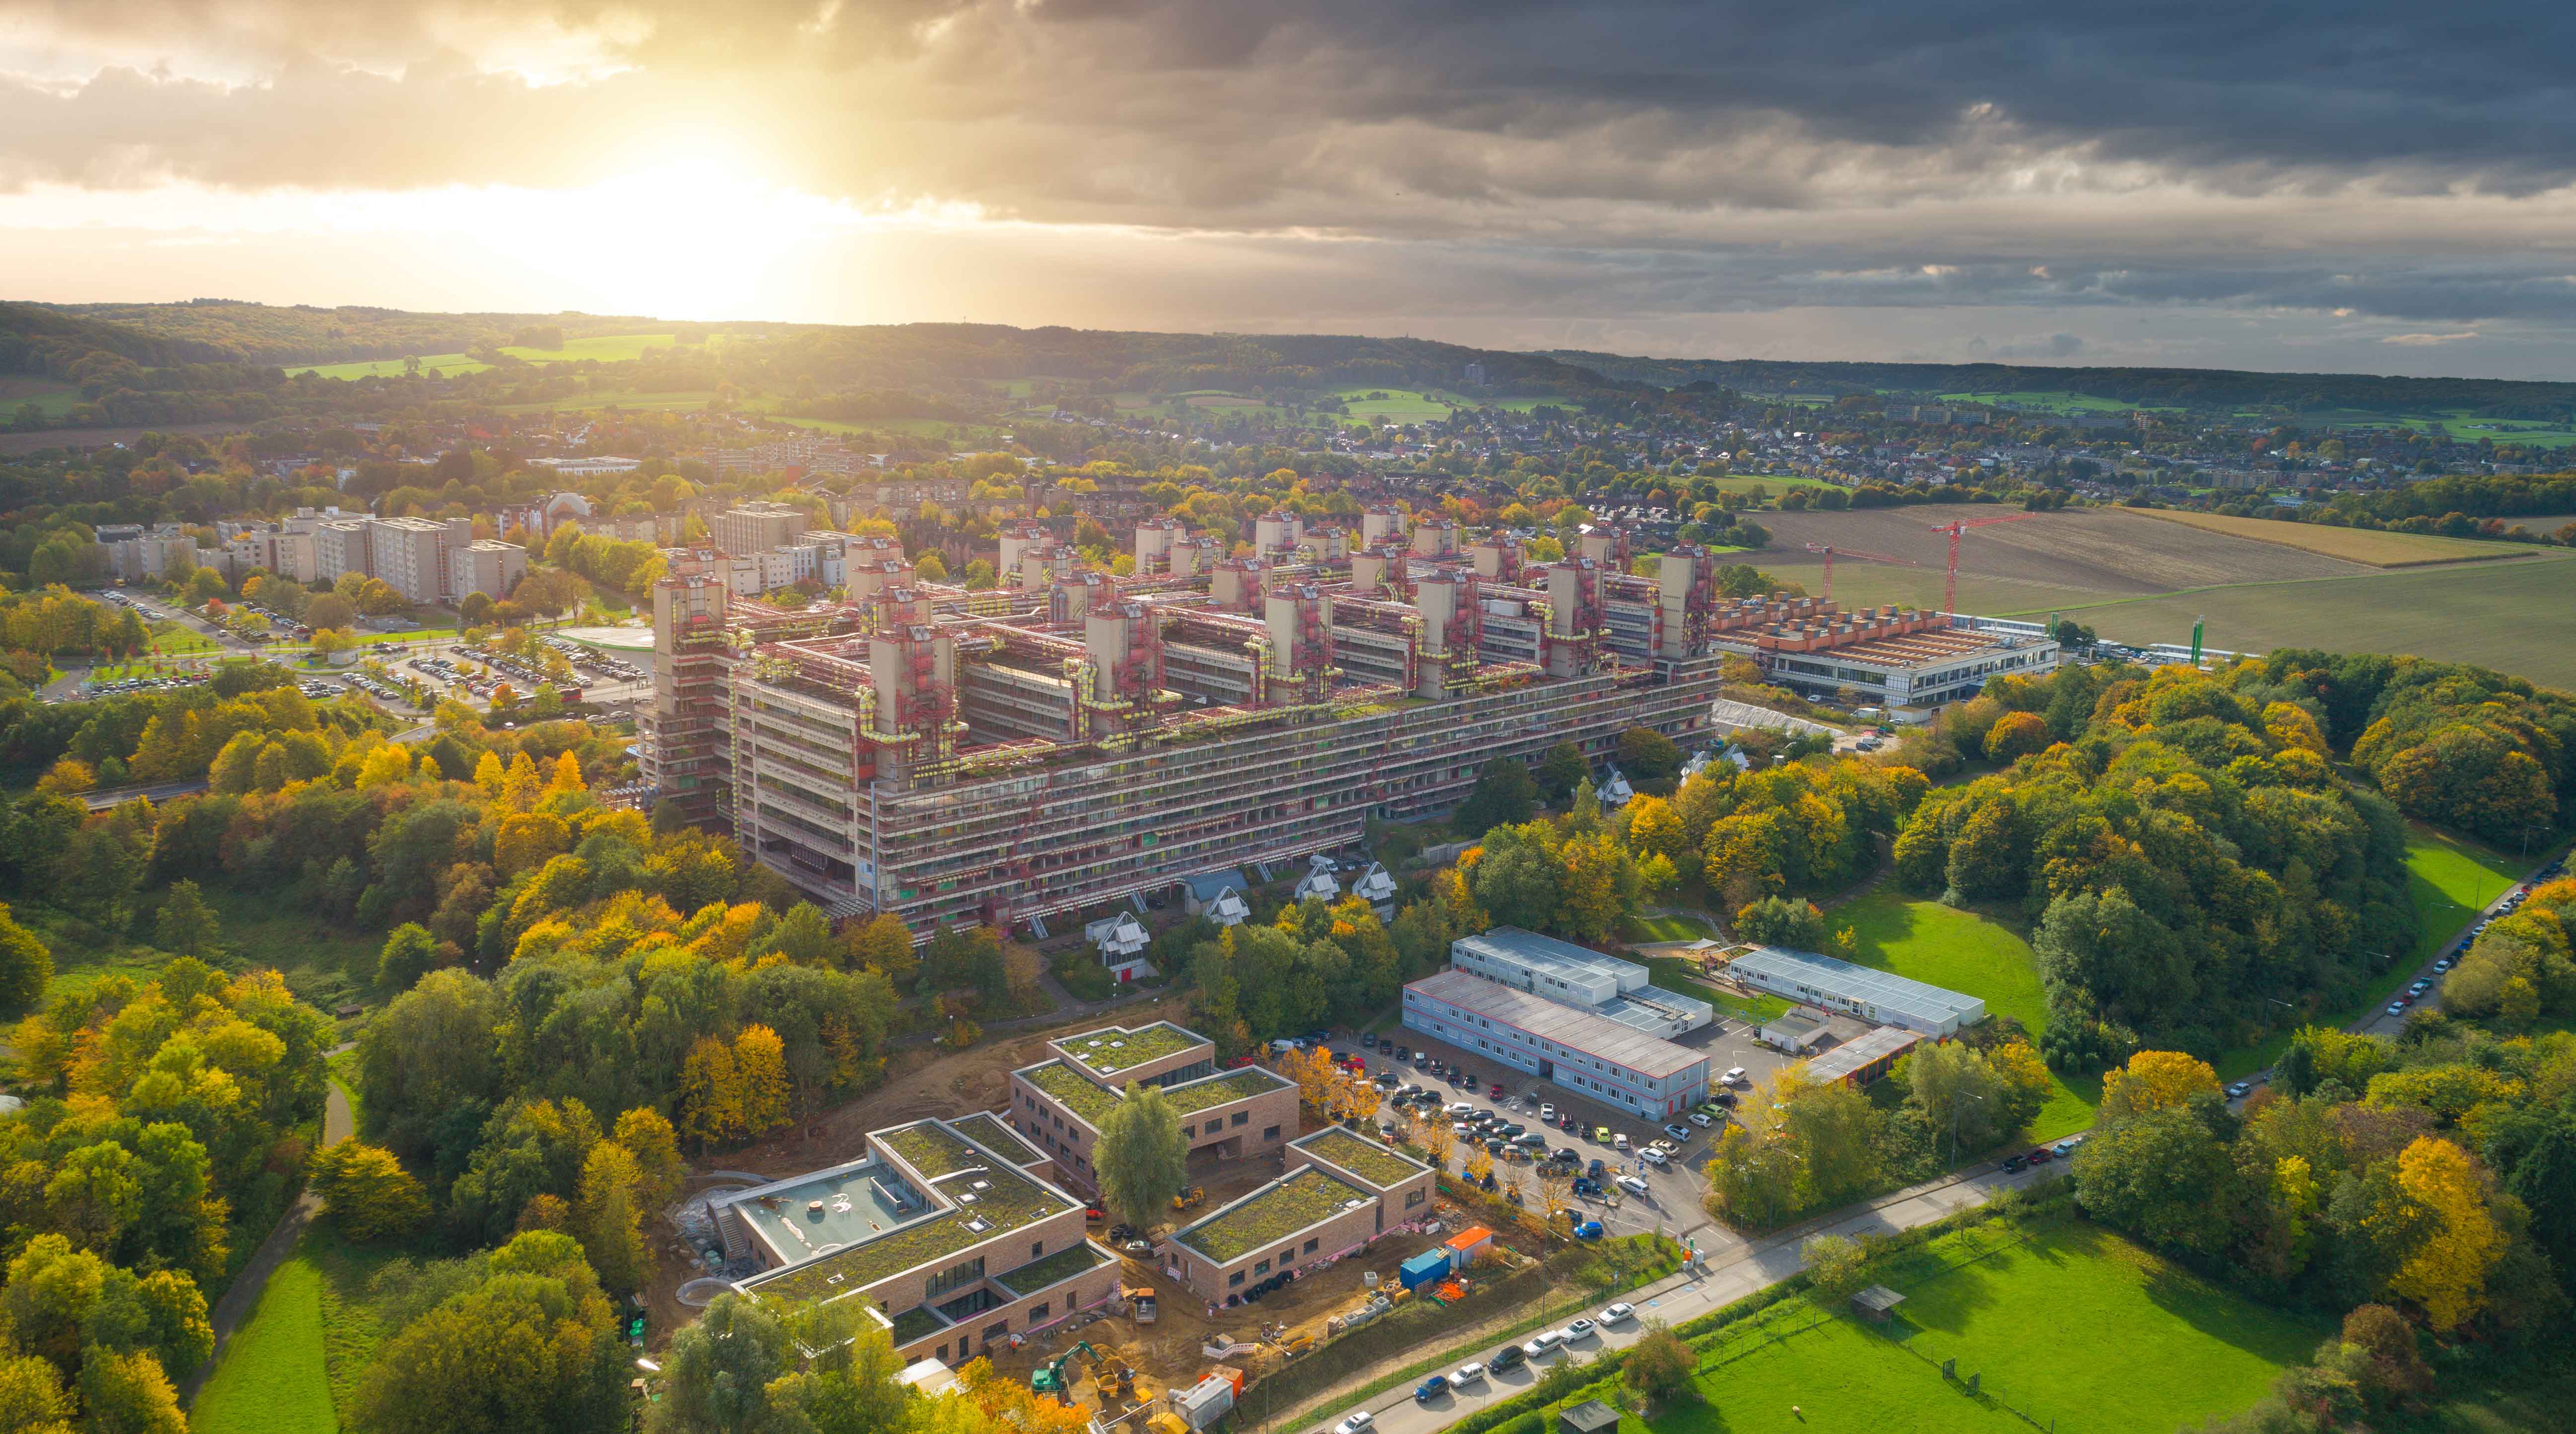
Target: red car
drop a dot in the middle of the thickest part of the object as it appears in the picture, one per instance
(2042, 1156)
(1496, 1090)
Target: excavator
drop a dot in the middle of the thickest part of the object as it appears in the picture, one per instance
(1048, 1378)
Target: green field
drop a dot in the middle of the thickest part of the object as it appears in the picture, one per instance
(623, 398)
(2072, 1324)
(605, 348)
(2056, 401)
(324, 964)
(1962, 951)
(51, 397)
(2459, 424)
(273, 1378)
(2541, 522)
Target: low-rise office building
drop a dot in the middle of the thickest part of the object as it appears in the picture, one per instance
(950, 1233)
(1572, 975)
(1341, 1192)
(1615, 1064)
(1879, 997)
(1060, 1103)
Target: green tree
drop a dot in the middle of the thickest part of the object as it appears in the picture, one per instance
(1503, 796)
(608, 1217)
(1142, 1158)
(2165, 1175)
(367, 1193)
(1659, 1366)
(187, 926)
(128, 1393)
(718, 1372)
(1647, 755)
(409, 953)
(1560, 771)
(531, 1346)
(26, 966)
(1836, 1268)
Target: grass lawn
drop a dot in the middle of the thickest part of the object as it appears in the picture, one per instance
(1636, 928)
(1835, 1374)
(393, 367)
(273, 1378)
(1963, 951)
(325, 965)
(1676, 974)
(607, 348)
(2206, 1351)
(2449, 880)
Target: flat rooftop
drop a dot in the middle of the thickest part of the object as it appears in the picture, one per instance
(987, 1130)
(1072, 1089)
(1851, 1056)
(1304, 1197)
(1223, 1089)
(1919, 648)
(1572, 1027)
(1852, 982)
(851, 1211)
(1362, 1157)
(1112, 1049)
(975, 1196)
(1510, 943)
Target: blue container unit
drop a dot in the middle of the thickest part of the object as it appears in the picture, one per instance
(1429, 1267)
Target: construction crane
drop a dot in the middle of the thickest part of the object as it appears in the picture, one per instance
(1950, 588)
(1829, 550)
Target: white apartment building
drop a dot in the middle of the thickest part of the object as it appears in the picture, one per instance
(487, 567)
(410, 554)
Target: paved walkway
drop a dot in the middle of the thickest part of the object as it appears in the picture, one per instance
(243, 1297)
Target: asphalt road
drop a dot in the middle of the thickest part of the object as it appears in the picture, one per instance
(2379, 1022)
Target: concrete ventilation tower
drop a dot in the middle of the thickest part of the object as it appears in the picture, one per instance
(1604, 545)
(1122, 692)
(1497, 559)
(913, 664)
(1436, 538)
(1574, 619)
(1301, 645)
(1685, 597)
(1154, 540)
(1236, 584)
(1189, 557)
(1382, 525)
(1276, 532)
(1452, 630)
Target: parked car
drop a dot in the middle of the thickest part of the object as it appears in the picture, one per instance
(1678, 1132)
(1601, 1134)
(1431, 1389)
(1735, 1075)
(1632, 1185)
(1587, 1188)
(1701, 1119)
(1724, 1100)
(1359, 1421)
(2065, 1149)
(1544, 1344)
(1654, 1157)
(1620, 1140)
(2397, 1008)
(1508, 1357)
(1497, 1090)
(2015, 1164)
(1467, 1373)
(1547, 1110)
(1615, 1313)
(1580, 1329)
(2240, 1090)
(1600, 1170)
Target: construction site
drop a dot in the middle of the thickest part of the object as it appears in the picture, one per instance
(1073, 739)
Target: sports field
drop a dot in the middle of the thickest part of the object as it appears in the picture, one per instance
(1962, 951)
(2059, 1326)
(272, 1379)
(2359, 545)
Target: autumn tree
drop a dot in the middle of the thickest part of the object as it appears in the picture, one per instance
(26, 965)
(366, 1192)
(2447, 1272)
(2154, 1080)
(760, 1063)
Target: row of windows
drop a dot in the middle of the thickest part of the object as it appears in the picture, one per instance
(1281, 1259)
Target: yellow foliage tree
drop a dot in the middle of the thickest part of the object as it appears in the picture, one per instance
(567, 777)
(519, 786)
(388, 765)
(761, 1058)
(1312, 1070)
(1655, 829)
(527, 839)
(2153, 1080)
(2447, 1274)
(488, 775)
(711, 1094)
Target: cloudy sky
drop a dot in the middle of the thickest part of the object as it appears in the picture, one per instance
(2301, 185)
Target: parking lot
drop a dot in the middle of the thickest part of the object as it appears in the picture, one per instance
(1671, 1201)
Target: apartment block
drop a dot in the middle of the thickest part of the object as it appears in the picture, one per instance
(1060, 1103)
(756, 527)
(411, 554)
(487, 567)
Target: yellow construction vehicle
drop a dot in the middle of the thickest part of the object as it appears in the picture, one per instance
(1189, 1197)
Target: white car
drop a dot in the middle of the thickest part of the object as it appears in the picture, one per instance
(1701, 1120)
(1544, 1344)
(1734, 1076)
(1617, 1312)
(1459, 1110)
(1632, 1184)
(1360, 1419)
(1678, 1132)
(1546, 1111)
(1580, 1329)
(1620, 1140)
(1654, 1157)
(1468, 1373)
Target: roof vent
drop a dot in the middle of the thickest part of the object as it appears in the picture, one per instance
(1117, 1045)
(983, 1184)
(966, 1199)
(978, 1226)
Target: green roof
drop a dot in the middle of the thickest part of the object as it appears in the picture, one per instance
(1198, 1095)
(1055, 1269)
(1364, 1158)
(1272, 1213)
(1007, 1201)
(1115, 1048)
(986, 1129)
(1072, 1090)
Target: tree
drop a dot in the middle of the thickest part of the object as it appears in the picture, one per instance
(187, 925)
(1647, 755)
(2164, 1175)
(409, 953)
(928, 568)
(1561, 770)
(26, 965)
(69, 776)
(1503, 795)
(659, 1170)
(32, 1398)
(1836, 1267)
(608, 1217)
(2155, 1080)
(2017, 735)
(532, 1345)
(2447, 1272)
(1660, 1365)
(1142, 1158)
(760, 1061)
(367, 1193)
(128, 1393)
(330, 611)
(1783, 921)
(719, 1369)
(711, 1094)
